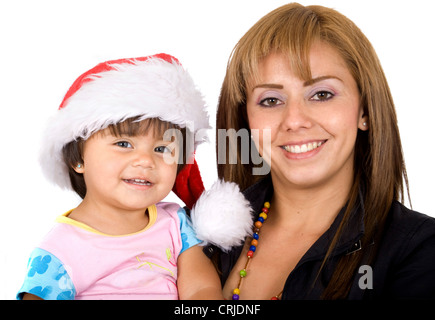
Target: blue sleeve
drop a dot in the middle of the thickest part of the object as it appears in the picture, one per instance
(47, 278)
(188, 235)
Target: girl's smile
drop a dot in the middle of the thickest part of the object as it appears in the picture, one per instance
(140, 184)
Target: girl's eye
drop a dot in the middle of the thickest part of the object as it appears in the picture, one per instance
(322, 96)
(162, 149)
(270, 102)
(123, 144)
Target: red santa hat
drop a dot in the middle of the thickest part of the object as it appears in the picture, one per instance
(147, 87)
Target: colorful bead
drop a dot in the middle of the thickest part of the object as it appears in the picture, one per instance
(254, 243)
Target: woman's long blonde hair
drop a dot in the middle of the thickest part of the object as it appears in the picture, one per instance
(379, 163)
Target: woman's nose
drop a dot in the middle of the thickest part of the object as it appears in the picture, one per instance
(295, 116)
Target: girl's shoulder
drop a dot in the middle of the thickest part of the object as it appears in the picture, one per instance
(170, 208)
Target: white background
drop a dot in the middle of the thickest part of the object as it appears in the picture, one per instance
(45, 45)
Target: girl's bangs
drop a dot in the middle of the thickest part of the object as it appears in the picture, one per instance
(135, 127)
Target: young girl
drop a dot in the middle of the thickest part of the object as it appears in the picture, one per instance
(109, 143)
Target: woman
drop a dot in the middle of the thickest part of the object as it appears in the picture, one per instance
(308, 86)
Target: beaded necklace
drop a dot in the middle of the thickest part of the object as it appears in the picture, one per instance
(254, 243)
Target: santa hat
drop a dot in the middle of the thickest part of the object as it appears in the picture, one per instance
(147, 87)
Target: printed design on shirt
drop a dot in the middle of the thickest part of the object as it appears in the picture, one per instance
(150, 264)
(49, 277)
(171, 258)
(184, 239)
(41, 292)
(39, 265)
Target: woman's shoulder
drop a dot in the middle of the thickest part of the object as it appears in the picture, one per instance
(407, 223)
(407, 254)
(408, 233)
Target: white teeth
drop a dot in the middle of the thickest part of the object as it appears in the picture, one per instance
(303, 148)
(139, 182)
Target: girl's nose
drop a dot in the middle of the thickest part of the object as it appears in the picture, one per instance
(143, 159)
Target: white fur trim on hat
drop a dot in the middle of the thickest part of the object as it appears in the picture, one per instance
(145, 89)
(222, 216)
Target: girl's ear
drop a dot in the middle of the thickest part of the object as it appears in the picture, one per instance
(79, 168)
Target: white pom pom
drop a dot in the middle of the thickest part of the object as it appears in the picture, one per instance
(222, 216)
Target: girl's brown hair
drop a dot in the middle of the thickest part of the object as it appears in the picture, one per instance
(73, 151)
(379, 163)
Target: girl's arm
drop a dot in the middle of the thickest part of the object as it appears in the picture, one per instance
(197, 277)
(29, 296)
(46, 278)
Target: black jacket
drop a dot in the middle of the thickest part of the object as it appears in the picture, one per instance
(404, 267)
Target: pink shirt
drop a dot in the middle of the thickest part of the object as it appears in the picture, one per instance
(142, 265)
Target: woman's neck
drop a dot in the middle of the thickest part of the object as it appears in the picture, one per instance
(313, 209)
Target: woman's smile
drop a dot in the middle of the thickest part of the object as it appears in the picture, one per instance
(298, 148)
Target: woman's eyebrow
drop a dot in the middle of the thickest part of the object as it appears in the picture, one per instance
(306, 83)
(313, 81)
(269, 85)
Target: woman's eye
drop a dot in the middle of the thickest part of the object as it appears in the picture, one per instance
(322, 96)
(270, 102)
(162, 149)
(123, 144)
